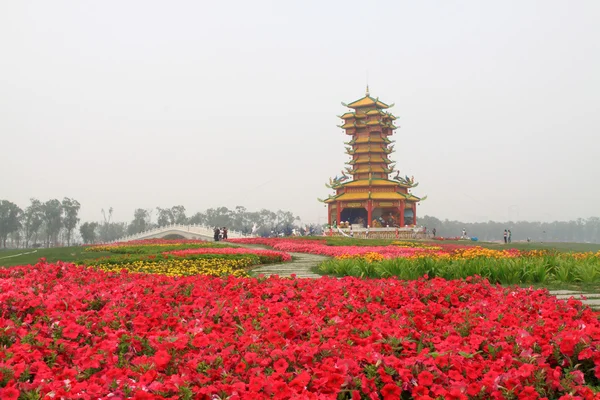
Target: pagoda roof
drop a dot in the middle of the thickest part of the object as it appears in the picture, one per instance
(373, 182)
(353, 124)
(369, 139)
(368, 169)
(367, 101)
(375, 112)
(376, 122)
(387, 196)
(372, 160)
(372, 196)
(370, 150)
(352, 196)
(350, 115)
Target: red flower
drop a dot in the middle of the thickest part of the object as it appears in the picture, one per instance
(391, 391)
(280, 365)
(161, 359)
(426, 378)
(9, 393)
(71, 331)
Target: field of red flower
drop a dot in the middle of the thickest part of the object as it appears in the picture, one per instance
(69, 332)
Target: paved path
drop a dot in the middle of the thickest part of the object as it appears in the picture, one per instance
(301, 265)
(592, 299)
(17, 255)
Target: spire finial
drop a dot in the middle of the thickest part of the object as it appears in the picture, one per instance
(367, 94)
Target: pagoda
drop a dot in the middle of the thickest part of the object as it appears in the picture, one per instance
(364, 193)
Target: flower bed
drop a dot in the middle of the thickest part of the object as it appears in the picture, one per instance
(266, 256)
(182, 258)
(214, 266)
(317, 247)
(149, 246)
(74, 332)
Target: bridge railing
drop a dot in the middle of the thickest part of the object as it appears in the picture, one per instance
(192, 228)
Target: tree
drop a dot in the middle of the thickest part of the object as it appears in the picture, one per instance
(139, 223)
(71, 209)
(178, 214)
(198, 219)
(33, 219)
(10, 215)
(165, 216)
(52, 216)
(88, 232)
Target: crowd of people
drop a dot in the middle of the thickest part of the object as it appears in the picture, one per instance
(220, 233)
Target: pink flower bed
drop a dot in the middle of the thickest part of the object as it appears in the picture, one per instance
(68, 332)
(278, 255)
(316, 247)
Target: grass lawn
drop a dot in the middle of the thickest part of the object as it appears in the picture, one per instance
(74, 253)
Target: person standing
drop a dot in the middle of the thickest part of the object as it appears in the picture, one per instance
(216, 234)
(505, 236)
(433, 231)
(224, 233)
(509, 236)
(367, 232)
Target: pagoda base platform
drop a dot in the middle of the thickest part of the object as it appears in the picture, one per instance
(380, 233)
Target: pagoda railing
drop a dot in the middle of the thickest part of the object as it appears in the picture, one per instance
(379, 233)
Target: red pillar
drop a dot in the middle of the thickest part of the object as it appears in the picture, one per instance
(415, 214)
(339, 213)
(329, 214)
(401, 208)
(370, 213)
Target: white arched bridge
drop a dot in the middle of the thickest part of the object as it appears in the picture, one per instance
(201, 232)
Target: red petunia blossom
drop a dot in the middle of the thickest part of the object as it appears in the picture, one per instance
(71, 331)
(426, 378)
(391, 391)
(280, 365)
(9, 393)
(161, 359)
(301, 381)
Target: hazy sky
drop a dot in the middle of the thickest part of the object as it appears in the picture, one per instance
(143, 103)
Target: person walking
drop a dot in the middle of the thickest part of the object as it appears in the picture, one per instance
(509, 236)
(505, 236)
(224, 233)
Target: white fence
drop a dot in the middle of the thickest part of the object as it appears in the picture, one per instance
(379, 233)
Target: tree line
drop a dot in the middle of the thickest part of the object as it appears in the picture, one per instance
(576, 231)
(41, 222)
(54, 222)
